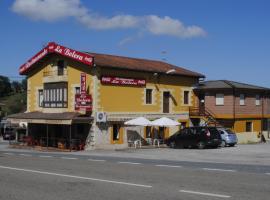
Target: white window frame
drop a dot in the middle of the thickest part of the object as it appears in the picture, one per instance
(242, 99)
(219, 99)
(258, 100)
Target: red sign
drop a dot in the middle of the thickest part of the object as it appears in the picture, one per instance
(83, 102)
(83, 83)
(55, 48)
(122, 81)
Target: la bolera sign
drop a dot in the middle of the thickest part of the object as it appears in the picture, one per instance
(122, 81)
(58, 49)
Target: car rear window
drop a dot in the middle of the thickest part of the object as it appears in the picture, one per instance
(229, 131)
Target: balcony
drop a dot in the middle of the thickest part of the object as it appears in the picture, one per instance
(60, 75)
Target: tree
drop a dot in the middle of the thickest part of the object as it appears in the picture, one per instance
(5, 86)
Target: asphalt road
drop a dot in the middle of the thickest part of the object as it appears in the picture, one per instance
(59, 176)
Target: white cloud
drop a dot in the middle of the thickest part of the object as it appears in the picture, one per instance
(53, 10)
(173, 27)
(49, 10)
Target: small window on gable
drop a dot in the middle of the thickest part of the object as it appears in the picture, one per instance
(219, 99)
(258, 100)
(242, 100)
(149, 96)
(61, 66)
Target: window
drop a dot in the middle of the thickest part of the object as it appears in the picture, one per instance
(242, 100)
(61, 66)
(116, 132)
(186, 97)
(248, 126)
(258, 100)
(40, 98)
(77, 90)
(219, 99)
(149, 99)
(148, 132)
(55, 95)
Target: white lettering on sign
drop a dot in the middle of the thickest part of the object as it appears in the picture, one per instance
(123, 81)
(35, 59)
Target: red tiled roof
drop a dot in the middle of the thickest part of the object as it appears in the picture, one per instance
(120, 62)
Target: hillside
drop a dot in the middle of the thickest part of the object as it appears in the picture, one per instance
(13, 103)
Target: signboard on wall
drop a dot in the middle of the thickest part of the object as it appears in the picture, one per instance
(122, 81)
(83, 102)
(83, 83)
(58, 49)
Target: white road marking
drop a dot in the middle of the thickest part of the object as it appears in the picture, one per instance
(222, 170)
(69, 158)
(96, 160)
(45, 156)
(27, 155)
(172, 166)
(75, 177)
(205, 194)
(130, 163)
(267, 173)
(8, 153)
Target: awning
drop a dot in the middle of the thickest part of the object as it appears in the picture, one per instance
(65, 118)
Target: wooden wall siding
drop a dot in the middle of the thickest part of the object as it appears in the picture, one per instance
(226, 109)
(250, 107)
(248, 110)
(267, 105)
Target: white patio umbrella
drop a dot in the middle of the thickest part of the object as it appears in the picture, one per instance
(164, 121)
(140, 121)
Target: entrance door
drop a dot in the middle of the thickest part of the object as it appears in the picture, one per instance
(201, 104)
(166, 102)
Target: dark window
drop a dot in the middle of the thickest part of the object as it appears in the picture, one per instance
(166, 102)
(148, 131)
(61, 66)
(248, 126)
(186, 97)
(116, 132)
(55, 95)
(148, 96)
(40, 98)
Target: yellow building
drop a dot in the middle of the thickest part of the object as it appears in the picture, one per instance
(81, 100)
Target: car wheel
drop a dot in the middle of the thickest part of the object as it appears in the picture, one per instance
(172, 145)
(231, 145)
(201, 145)
(223, 143)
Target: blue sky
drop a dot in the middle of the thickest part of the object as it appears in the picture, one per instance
(223, 39)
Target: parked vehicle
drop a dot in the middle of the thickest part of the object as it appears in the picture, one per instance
(9, 134)
(199, 137)
(228, 137)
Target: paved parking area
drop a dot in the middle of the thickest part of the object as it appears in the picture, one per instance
(251, 154)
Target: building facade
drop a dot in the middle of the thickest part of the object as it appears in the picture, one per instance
(83, 99)
(241, 107)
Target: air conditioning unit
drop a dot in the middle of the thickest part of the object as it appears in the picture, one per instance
(101, 117)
